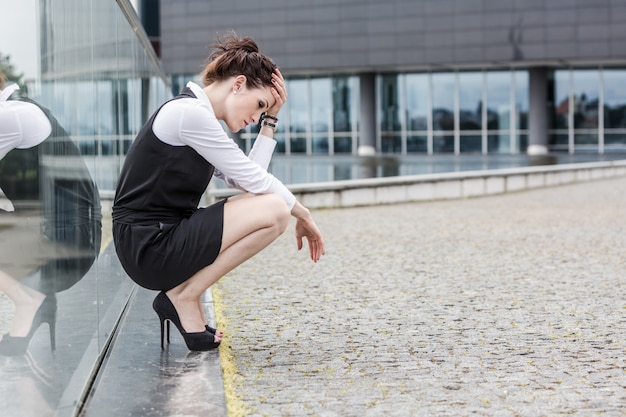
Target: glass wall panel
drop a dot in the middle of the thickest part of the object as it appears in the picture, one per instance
(586, 141)
(470, 101)
(298, 92)
(561, 140)
(523, 142)
(614, 110)
(321, 113)
(342, 143)
(89, 86)
(297, 144)
(345, 107)
(560, 118)
(614, 81)
(416, 112)
(417, 143)
(342, 104)
(498, 91)
(443, 92)
(617, 140)
(521, 110)
(470, 143)
(498, 142)
(443, 142)
(498, 100)
(390, 142)
(389, 103)
(417, 97)
(319, 144)
(321, 101)
(585, 96)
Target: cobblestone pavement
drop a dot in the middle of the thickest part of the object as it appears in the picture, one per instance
(512, 305)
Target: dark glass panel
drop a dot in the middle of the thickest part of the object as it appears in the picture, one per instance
(471, 143)
(298, 144)
(320, 104)
(320, 144)
(343, 144)
(498, 100)
(443, 101)
(390, 143)
(585, 98)
(499, 143)
(342, 105)
(470, 100)
(390, 105)
(417, 97)
(417, 143)
(614, 99)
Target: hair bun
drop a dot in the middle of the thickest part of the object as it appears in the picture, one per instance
(238, 56)
(231, 41)
(248, 45)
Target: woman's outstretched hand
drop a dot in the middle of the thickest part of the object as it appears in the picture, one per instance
(306, 228)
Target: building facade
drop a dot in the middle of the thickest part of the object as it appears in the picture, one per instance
(426, 76)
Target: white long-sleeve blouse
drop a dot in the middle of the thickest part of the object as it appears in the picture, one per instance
(192, 122)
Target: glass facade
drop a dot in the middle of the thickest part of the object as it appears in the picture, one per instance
(61, 288)
(320, 117)
(461, 112)
(418, 113)
(613, 114)
(588, 111)
(453, 112)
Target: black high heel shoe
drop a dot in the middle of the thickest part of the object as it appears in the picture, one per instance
(212, 330)
(46, 313)
(198, 341)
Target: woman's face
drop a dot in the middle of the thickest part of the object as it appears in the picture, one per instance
(246, 105)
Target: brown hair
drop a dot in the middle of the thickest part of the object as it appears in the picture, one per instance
(3, 79)
(238, 56)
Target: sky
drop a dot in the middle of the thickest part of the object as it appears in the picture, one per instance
(19, 34)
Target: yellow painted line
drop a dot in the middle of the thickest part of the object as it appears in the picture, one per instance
(234, 403)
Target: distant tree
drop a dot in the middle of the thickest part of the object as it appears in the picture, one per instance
(10, 72)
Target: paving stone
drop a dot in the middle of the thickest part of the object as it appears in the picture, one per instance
(509, 305)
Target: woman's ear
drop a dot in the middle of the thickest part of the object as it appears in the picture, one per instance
(238, 83)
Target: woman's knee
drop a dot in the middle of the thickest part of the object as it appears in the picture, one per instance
(279, 209)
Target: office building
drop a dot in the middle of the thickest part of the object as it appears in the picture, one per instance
(426, 76)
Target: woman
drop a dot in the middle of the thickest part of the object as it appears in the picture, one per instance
(164, 241)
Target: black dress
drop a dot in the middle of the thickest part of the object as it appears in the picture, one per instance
(161, 236)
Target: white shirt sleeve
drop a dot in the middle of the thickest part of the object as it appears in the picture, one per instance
(191, 122)
(22, 125)
(262, 150)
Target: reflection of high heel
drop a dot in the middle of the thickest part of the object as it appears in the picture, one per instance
(46, 313)
(167, 313)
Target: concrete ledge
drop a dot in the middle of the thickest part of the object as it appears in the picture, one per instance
(451, 185)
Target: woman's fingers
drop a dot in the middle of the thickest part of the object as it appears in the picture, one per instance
(279, 83)
(316, 249)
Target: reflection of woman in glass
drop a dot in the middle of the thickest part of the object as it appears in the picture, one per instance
(50, 226)
(163, 240)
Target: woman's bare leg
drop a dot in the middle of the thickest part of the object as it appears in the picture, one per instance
(251, 223)
(26, 301)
